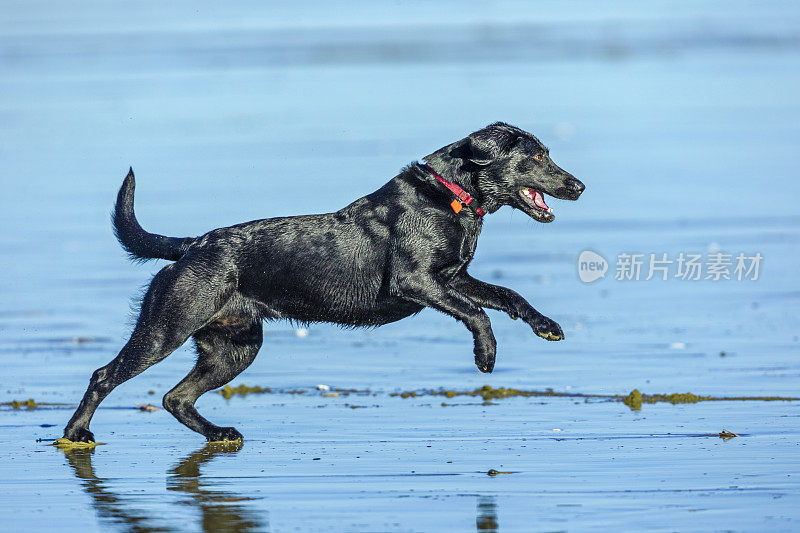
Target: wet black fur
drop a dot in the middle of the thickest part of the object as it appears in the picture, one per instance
(382, 258)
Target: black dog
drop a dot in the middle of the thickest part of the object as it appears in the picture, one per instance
(384, 257)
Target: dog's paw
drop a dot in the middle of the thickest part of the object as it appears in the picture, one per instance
(485, 364)
(224, 434)
(485, 352)
(78, 434)
(547, 329)
(484, 360)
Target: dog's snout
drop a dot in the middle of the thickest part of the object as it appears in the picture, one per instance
(575, 186)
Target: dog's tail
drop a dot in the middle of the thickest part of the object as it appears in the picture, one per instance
(140, 244)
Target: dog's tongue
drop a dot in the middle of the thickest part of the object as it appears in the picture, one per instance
(538, 199)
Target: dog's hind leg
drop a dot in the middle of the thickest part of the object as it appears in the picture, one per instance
(226, 347)
(179, 302)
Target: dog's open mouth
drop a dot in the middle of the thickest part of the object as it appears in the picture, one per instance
(537, 208)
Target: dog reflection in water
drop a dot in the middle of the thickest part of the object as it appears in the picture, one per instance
(220, 511)
(486, 516)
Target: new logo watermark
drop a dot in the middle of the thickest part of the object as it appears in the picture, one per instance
(687, 266)
(591, 266)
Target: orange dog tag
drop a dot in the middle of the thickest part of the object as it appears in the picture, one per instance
(456, 205)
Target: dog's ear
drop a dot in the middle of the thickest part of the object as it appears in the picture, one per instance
(478, 150)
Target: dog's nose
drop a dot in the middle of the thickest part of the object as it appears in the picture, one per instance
(576, 186)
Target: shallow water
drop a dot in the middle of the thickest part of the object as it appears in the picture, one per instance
(683, 123)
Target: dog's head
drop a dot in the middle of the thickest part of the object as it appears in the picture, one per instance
(505, 165)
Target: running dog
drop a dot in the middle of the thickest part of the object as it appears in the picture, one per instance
(382, 258)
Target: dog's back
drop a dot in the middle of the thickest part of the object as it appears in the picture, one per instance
(331, 267)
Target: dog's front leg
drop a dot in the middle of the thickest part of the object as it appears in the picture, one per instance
(508, 301)
(431, 292)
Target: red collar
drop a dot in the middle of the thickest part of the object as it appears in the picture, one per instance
(462, 197)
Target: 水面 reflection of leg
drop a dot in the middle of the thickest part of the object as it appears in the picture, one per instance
(486, 518)
(110, 507)
(220, 511)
